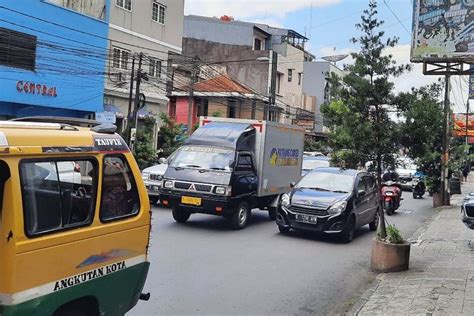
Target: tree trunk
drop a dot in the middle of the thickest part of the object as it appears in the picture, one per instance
(382, 228)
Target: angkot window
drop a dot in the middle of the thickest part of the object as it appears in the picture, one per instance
(158, 12)
(58, 194)
(120, 58)
(4, 176)
(124, 4)
(120, 197)
(17, 50)
(155, 67)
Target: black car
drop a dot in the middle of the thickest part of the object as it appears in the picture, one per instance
(330, 200)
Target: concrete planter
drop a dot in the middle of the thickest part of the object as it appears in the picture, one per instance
(390, 257)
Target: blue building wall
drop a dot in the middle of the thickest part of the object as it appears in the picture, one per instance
(70, 65)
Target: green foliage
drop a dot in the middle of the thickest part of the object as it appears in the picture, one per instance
(216, 114)
(393, 235)
(144, 151)
(171, 136)
(314, 145)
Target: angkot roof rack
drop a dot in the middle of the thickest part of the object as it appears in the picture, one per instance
(73, 121)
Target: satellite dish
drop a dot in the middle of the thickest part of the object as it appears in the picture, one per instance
(335, 58)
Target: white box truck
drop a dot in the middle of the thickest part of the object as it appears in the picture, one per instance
(228, 166)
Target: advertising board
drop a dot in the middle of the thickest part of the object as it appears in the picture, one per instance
(459, 125)
(442, 30)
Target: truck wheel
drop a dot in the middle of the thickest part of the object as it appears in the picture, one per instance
(241, 216)
(283, 229)
(180, 215)
(272, 213)
(348, 232)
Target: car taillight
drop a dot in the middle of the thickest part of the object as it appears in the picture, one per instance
(388, 199)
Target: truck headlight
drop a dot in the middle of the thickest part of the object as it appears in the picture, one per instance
(285, 200)
(337, 208)
(168, 184)
(223, 190)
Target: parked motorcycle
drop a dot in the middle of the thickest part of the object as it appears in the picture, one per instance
(391, 195)
(419, 188)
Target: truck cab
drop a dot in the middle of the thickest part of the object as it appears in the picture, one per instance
(223, 169)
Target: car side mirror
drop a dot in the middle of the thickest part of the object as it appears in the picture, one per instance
(163, 161)
(292, 184)
(360, 193)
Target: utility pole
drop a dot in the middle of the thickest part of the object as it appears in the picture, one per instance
(272, 94)
(467, 122)
(137, 98)
(445, 154)
(130, 97)
(193, 80)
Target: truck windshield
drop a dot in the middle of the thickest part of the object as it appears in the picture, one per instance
(206, 158)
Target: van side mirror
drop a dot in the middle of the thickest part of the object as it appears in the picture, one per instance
(163, 161)
(292, 184)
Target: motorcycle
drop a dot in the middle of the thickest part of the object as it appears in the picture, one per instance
(391, 195)
(418, 188)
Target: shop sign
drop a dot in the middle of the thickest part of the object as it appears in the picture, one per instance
(36, 88)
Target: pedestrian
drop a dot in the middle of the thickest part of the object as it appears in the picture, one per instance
(465, 171)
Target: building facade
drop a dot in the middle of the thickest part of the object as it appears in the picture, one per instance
(316, 82)
(52, 58)
(268, 60)
(153, 29)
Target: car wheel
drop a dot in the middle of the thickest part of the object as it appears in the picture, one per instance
(180, 215)
(241, 216)
(348, 232)
(284, 229)
(375, 223)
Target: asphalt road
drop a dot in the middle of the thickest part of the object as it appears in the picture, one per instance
(203, 267)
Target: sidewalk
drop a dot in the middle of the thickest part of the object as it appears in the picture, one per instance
(441, 276)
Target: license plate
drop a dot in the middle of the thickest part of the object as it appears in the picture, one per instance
(308, 219)
(191, 200)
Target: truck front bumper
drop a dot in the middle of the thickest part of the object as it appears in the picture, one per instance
(209, 204)
(324, 224)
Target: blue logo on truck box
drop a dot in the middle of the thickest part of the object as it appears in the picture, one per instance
(284, 157)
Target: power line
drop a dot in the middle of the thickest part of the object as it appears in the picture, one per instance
(396, 17)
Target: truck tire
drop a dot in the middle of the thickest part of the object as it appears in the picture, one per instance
(154, 200)
(284, 230)
(180, 215)
(272, 213)
(241, 216)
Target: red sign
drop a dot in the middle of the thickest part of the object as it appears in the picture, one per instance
(35, 88)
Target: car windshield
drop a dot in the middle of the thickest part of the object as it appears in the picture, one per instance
(205, 158)
(309, 164)
(323, 181)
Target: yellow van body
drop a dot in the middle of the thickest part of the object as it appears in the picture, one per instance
(93, 267)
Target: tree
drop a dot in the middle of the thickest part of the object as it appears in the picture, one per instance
(421, 132)
(358, 116)
(171, 136)
(144, 151)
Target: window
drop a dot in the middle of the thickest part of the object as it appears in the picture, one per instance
(245, 163)
(119, 192)
(370, 182)
(300, 78)
(257, 44)
(158, 12)
(17, 50)
(202, 107)
(124, 4)
(278, 83)
(155, 68)
(120, 58)
(290, 75)
(58, 194)
(361, 185)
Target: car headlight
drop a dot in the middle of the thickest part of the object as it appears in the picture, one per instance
(337, 208)
(222, 190)
(168, 184)
(145, 176)
(285, 200)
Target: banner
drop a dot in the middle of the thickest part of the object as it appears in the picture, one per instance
(459, 125)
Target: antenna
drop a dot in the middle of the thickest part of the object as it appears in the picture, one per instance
(335, 58)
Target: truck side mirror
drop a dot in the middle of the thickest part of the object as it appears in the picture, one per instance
(292, 184)
(163, 161)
